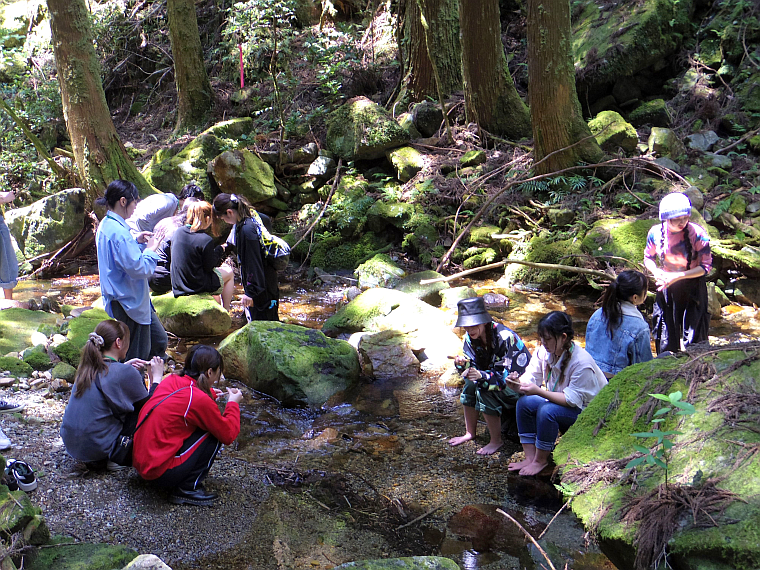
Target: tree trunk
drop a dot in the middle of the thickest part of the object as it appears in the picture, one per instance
(554, 108)
(98, 151)
(491, 99)
(194, 93)
(443, 19)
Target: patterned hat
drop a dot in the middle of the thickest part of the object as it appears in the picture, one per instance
(674, 205)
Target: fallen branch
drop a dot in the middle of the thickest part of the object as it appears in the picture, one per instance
(740, 141)
(419, 518)
(594, 272)
(324, 206)
(562, 508)
(528, 536)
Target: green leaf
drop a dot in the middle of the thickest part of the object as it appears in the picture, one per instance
(643, 434)
(659, 453)
(685, 413)
(649, 459)
(658, 420)
(662, 411)
(667, 444)
(660, 463)
(641, 449)
(675, 397)
(635, 462)
(686, 406)
(660, 397)
(668, 433)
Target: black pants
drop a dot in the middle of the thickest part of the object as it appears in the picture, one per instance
(680, 313)
(145, 341)
(202, 447)
(253, 313)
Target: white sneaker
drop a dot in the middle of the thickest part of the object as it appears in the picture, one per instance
(115, 467)
(5, 443)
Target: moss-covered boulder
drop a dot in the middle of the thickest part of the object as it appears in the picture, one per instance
(16, 510)
(48, 224)
(38, 358)
(427, 330)
(380, 271)
(708, 461)
(450, 297)
(82, 556)
(407, 161)
(15, 367)
(430, 293)
(363, 130)
(618, 238)
(652, 112)
(80, 327)
(474, 257)
(17, 326)
(242, 172)
(547, 250)
(334, 252)
(410, 563)
(64, 371)
(171, 172)
(192, 315)
(382, 214)
(612, 132)
(665, 143)
(296, 365)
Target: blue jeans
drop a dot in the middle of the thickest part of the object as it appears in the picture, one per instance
(539, 421)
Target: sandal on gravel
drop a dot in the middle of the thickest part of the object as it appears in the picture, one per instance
(20, 476)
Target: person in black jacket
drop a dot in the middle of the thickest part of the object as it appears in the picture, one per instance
(261, 296)
(196, 265)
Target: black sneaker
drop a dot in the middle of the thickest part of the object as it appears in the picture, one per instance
(19, 475)
(10, 407)
(198, 497)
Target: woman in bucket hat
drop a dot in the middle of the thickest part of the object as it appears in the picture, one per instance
(678, 256)
(491, 352)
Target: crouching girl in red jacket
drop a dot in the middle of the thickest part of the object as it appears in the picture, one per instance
(176, 446)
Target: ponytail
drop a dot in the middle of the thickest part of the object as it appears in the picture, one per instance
(625, 286)
(198, 361)
(92, 362)
(224, 202)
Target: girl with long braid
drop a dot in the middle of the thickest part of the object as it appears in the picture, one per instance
(678, 256)
(571, 379)
(617, 334)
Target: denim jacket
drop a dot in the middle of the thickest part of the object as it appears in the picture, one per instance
(629, 343)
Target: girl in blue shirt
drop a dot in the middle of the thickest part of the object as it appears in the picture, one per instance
(617, 335)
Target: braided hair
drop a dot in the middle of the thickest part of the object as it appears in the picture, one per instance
(625, 286)
(198, 361)
(687, 245)
(555, 324)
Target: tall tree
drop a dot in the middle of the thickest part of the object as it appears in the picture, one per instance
(491, 99)
(554, 108)
(194, 93)
(443, 21)
(98, 151)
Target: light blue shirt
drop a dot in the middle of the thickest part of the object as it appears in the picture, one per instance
(124, 269)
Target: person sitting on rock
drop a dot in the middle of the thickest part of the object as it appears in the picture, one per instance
(161, 280)
(491, 351)
(197, 261)
(176, 446)
(106, 397)
(617, 334)
(157, 207)
(571, 379)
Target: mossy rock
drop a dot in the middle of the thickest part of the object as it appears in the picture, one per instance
(430, 293)
(192, 315)
(652, 112)
(479, 256)
(38, 358)
(702, 179)
(408, 563)
(389, 214)
(334, 252)
(546, 250)
(296, 365)
(16, 510)
(734, 542)
(450, 297)
(407, 161)
(17, 368)
(380, 271)
(665, 143)
(69, 353)
(421, 242)
(189, 165)
(472, 158)
(748, 258)
(80, 327)
(64, 371)
(621, 238)
(611, 132)
(17, 327)
(363, 130)
(82, 556)
(242, 172)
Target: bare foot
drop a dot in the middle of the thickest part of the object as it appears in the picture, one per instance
(533, 469)
(519, 464)
(490, 449)
(461, 439)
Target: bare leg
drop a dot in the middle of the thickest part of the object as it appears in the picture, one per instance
(494, 428)
(228, 286)
(470, 426)
(530, 453)
(8, 293)
(540, 460)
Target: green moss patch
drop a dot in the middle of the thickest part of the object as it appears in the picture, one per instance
(17, 368)
(83, 556)
(17, 326)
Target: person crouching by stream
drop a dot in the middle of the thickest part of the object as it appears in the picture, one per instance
(491, 351)
(106, 397)
(124, 265)
(176, 446)
(571, 379)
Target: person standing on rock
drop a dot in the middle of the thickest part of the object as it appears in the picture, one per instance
(678, 255)
(491, 352)
(124, 265)
(176, 446)
(8, 261)
(558, 384)
(252, 240)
